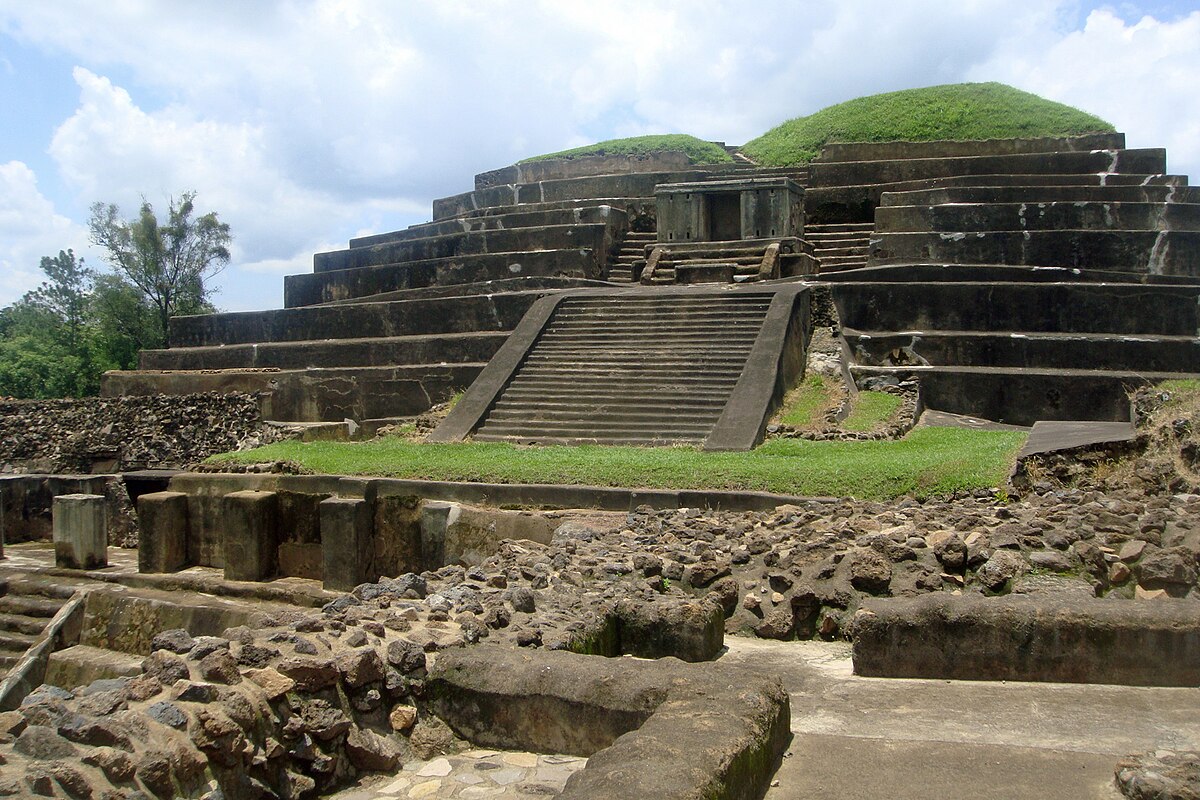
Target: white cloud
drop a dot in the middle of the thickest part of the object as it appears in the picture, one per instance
(1141, 76)
(29, 230)
(308, 122)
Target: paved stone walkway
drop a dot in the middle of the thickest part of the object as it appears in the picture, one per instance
(476, 773)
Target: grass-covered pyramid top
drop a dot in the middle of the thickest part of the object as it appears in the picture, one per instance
(698, 151)
(960, 111)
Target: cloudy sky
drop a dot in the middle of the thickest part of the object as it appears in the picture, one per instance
(308, 122)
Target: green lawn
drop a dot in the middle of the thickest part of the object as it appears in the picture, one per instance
(929, 461)
(955, 111)
(698, 151)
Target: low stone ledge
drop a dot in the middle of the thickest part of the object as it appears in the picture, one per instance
(1138, 643)
(651, 728)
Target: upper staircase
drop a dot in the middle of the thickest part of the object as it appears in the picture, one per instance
(839, 245)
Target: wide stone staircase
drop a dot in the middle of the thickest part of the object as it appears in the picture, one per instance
(629, 369)
(1019, 344)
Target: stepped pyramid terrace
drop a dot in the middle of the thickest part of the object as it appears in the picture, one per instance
(646, 300)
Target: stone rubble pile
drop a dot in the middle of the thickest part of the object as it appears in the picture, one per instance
(124, 433)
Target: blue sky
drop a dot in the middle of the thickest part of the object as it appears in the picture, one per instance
(306, 122)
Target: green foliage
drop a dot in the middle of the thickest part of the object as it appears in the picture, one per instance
(169, 262)
(698, 151)
(962, 111)
(871, 410)
(61, 337)
(929, 461)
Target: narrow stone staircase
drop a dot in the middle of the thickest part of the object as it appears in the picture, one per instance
(840, 246)
(26, 607)
(633, 369)
(623, 263)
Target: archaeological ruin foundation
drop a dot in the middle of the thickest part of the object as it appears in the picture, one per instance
(278, 633)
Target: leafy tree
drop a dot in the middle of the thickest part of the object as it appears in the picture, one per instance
(168, 262)
(65, 294)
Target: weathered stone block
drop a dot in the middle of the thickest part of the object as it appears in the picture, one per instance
(347, 544)
(249, 540)
(163, 529)
(80, 531)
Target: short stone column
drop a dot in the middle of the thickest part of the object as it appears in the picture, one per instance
(347, 543)
(162, 531)
(80, 531)
(249, 539)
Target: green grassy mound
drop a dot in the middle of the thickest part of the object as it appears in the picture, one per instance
(960, 111)
(698, 151)
(927, 462)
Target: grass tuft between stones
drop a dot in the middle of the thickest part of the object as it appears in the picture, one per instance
(927, 462)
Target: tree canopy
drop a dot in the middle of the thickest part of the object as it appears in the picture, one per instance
(169, 262)
(59, 338)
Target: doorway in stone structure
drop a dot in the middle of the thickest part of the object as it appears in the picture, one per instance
(724, 216)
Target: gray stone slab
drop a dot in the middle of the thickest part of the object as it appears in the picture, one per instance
(1048, 436)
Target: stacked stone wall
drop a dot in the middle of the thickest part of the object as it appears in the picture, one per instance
(96, 434)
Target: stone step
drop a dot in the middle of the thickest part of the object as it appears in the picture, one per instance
(677, 359)
(666, 427)
(859, 173)
(624, 375)
(31, 605)
(16, 642)
(380, 351)
(534, 218)
(841, 262)
(649, 401)
(675, 338)
(1015, 349)
(524, 397)
(1042, 194)
(1153, 252)
(839, 230)
(1077, 215)
(1033, 307)
(80, 665)
(469, 314)
(37, 588)
(626, 324)
(1021, 396)
(612, 439)
(17, 623)
(367, 281)
(855, 250)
